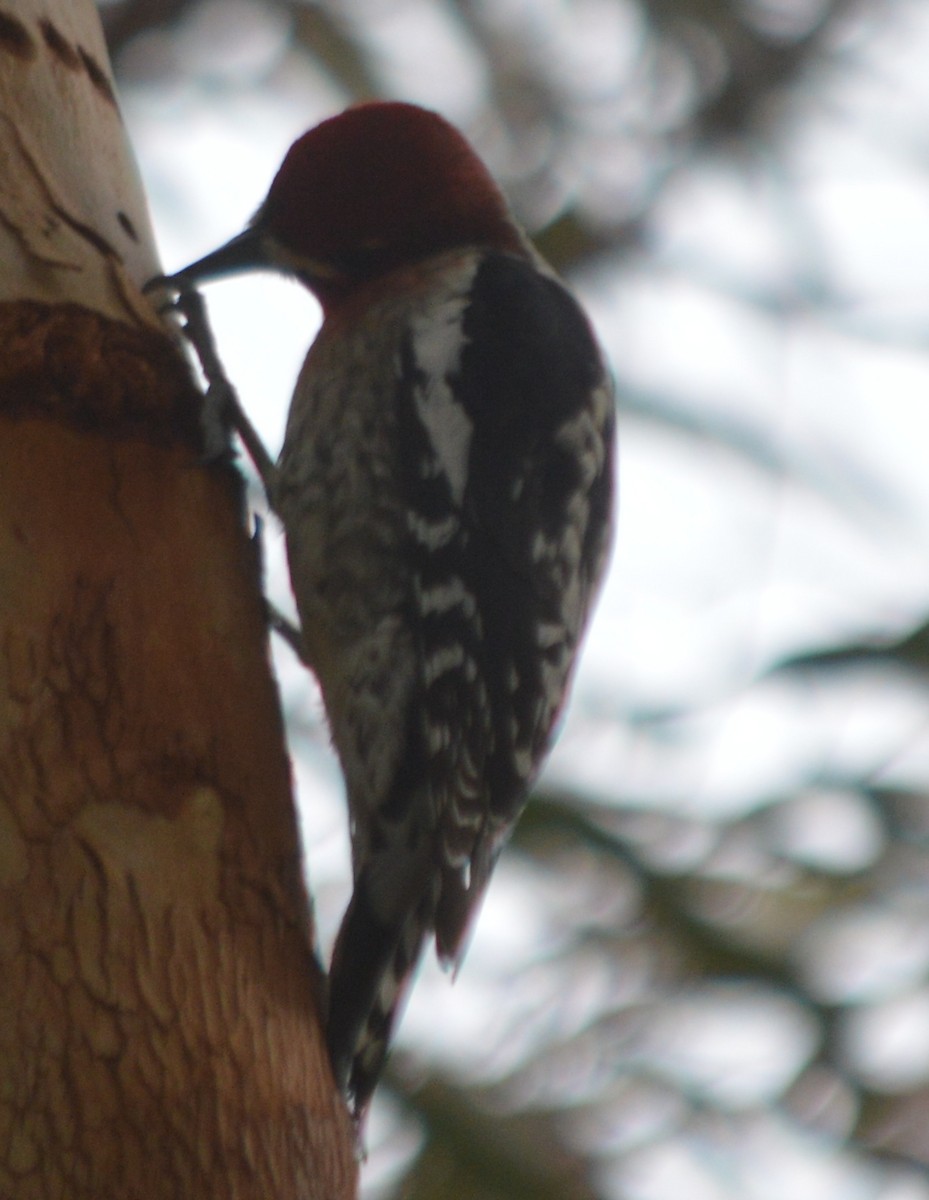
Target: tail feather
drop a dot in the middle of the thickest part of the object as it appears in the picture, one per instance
(372, 967)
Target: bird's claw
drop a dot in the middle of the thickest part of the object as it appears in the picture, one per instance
(218, 417)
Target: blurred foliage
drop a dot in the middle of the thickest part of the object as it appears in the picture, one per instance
(667, 916)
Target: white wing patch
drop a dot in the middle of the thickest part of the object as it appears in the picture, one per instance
(438, 342)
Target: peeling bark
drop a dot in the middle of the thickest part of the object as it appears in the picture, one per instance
(160, 1031)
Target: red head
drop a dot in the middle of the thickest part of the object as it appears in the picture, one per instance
(379, 186)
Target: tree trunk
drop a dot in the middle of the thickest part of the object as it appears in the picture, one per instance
(160, 1026)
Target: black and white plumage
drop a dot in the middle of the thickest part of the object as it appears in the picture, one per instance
(445, 487)
(447, 525)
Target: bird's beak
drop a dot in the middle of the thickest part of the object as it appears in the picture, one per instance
(245, 252)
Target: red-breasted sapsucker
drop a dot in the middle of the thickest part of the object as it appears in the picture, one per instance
(445, 488)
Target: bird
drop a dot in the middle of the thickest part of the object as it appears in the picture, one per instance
(446, 491)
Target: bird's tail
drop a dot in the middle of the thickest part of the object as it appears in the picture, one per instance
(372, 966)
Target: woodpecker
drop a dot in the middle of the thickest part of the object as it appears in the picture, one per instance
(445, 488)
